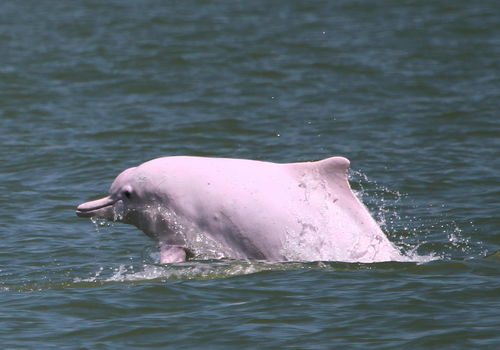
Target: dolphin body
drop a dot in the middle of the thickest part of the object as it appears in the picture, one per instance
(246, 209)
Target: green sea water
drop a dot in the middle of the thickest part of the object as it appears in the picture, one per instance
(409, 91)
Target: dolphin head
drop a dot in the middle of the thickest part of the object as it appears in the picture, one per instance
(135, 199)
(123, 203)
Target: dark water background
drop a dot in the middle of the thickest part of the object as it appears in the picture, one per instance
(409, 91)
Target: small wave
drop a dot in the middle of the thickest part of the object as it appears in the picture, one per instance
(427, 237)
(215, 269)
(197, 270)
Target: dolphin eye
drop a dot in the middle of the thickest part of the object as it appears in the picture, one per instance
(127, 194)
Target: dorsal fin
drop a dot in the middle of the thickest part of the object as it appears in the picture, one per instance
(333, 169)
(334, 166)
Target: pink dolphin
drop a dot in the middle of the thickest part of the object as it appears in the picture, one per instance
(237, 208)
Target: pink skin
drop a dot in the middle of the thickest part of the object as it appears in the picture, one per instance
(250, 209)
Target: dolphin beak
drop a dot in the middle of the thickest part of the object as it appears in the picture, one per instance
(101, 208)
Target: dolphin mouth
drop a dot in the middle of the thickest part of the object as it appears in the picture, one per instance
(97, 208)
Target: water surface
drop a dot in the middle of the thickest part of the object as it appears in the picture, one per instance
(408, 91)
